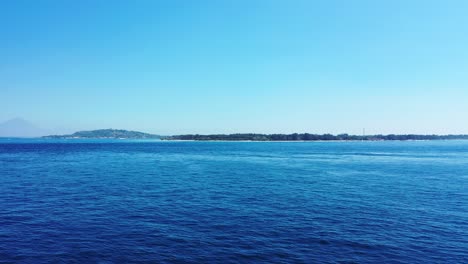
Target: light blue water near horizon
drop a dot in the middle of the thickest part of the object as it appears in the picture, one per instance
(123, 201)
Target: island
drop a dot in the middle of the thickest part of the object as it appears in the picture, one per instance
(309, 137)
(126, 134)
(107, 133)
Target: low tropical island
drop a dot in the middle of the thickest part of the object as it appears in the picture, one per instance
(126, 134)
(309, 137)
(107, 133)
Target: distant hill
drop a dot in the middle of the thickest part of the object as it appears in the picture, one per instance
(108, 133)
(19, 127)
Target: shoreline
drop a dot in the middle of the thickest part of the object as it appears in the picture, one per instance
(193, 140)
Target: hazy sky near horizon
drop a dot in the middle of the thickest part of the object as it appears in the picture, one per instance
(173, 67)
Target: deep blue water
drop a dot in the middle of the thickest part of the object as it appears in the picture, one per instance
(233, 202)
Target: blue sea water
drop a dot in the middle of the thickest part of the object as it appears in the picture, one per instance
(115, 201)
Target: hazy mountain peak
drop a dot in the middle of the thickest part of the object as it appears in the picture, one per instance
(19, 127)
(16, 120)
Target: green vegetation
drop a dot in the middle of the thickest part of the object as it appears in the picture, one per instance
(310, 137)
(108, 133)
(125, 134)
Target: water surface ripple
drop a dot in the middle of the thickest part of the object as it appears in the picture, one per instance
(233, 202)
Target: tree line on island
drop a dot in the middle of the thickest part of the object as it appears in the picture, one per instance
(308, 137)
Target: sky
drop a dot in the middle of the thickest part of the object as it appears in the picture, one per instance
(264, 66)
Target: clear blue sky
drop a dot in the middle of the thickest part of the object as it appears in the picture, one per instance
(174, 67)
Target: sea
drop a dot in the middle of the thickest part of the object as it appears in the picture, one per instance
(129, 201)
